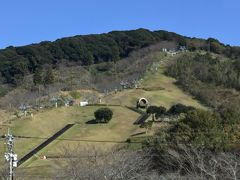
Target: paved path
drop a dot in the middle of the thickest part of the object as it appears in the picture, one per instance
(44, 144)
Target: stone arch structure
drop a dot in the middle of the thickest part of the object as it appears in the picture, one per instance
(142, 103)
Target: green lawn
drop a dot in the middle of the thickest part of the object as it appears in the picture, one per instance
(164, 91)
(45, 124)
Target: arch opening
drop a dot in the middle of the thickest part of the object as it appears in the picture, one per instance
(142, 103)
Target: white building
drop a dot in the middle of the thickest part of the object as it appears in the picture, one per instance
(83, 103)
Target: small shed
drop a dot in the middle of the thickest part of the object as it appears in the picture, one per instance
(83, 103)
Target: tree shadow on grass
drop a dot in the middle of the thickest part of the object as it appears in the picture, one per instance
(140, 133)
(92, 121)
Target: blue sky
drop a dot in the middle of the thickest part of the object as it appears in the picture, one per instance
(31, 21)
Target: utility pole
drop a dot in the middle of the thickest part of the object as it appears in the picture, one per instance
(10, 156)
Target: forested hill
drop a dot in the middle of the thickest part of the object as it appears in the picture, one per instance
(16, 62)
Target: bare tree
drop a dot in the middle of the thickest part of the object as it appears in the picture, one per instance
(188, 163)
(3, 173)
(93, 163)
(183, 163)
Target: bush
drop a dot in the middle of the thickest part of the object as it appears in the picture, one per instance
(156, 111)
(152, 109)
(180, 108)
(201, 129)
(146, 125)
(60, 102)
(103, 115)
(75, 94)
(128, 140)
(160, 111)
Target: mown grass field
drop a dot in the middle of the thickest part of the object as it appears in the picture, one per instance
(45, 124)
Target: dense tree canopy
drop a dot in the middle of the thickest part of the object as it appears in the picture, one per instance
(198, 128)
(103, 115)
(156, 111)
(16, 62)
(180, 108)
(213, 80)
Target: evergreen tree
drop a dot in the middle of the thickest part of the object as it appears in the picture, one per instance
(103, 115)
(37, 77)
(49, 77)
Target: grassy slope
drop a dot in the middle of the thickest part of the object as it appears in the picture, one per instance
(167, 92)
(47, 123)
(120, 128)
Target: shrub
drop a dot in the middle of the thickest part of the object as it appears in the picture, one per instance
(160, 111)
(200, 128)
(180, 108)
(152, 109)
(75, 94)
(156, 111)
(146, 125)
